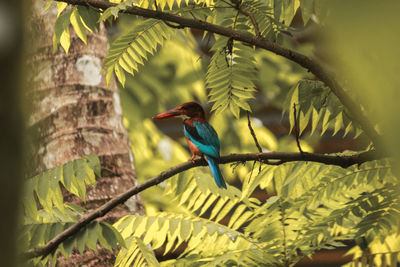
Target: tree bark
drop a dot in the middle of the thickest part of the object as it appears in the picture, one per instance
(74, 114)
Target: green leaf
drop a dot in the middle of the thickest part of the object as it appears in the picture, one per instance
(107, 238)
(68, 174)
(81, 238)
(147, 253)
(68, 245)
(60, 8)
(75, 207)
(230, 76)
(78, 25)
(61, 31)
(42, 186)
(58, 199)
(120, 74)
(89, 18)
(78, 186)
(235, 109)
(30, 205)
(93, 232)
(80, 169)
(37, 235)
(115, 233)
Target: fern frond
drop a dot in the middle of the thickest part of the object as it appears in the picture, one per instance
(131, 48)
(171, 230)
(39, 234)
(312, 100)
(382, 213)
(151, 4)
(319, 206)
(136, 252)
(373, 215)
(230, 76)
(206, 240)
(46, 214)
(269, 27)
(197, 192)
(218, 254)
(334, 182)
(45, 188)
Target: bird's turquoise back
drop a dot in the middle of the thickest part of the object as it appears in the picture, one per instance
(204, 137)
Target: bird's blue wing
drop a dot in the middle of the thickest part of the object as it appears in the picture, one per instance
(207, 132)
(204, 137)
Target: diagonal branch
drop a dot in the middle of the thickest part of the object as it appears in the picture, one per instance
(277, 157)
(314, 67)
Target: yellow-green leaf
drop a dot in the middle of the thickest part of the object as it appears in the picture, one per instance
(78, 25)
(60, 7)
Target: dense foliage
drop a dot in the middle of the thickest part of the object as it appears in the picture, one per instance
(311, 206)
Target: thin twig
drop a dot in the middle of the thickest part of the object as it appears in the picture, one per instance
(238, 6)
(253, 133)
(297, 128)
(280, 157)
(92, 7)
(252, 18)
(254, 137)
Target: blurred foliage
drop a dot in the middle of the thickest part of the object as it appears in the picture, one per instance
(365, 46)
(310, 206)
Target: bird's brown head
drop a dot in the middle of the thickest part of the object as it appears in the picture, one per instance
(190, 109)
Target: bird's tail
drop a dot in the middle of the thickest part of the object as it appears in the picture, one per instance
(216, 172)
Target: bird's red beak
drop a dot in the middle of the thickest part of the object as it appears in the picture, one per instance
(168, 114)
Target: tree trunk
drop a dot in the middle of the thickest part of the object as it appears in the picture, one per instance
(74, 114)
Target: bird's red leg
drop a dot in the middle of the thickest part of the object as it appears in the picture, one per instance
(192, 158)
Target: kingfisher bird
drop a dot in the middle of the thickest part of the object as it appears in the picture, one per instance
(200, 135)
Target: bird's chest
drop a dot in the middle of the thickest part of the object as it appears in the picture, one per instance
(193, 148)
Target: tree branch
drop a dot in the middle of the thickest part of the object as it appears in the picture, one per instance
(277, 157)
(314, 67)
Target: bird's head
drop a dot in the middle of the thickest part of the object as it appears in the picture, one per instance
(190, 109)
